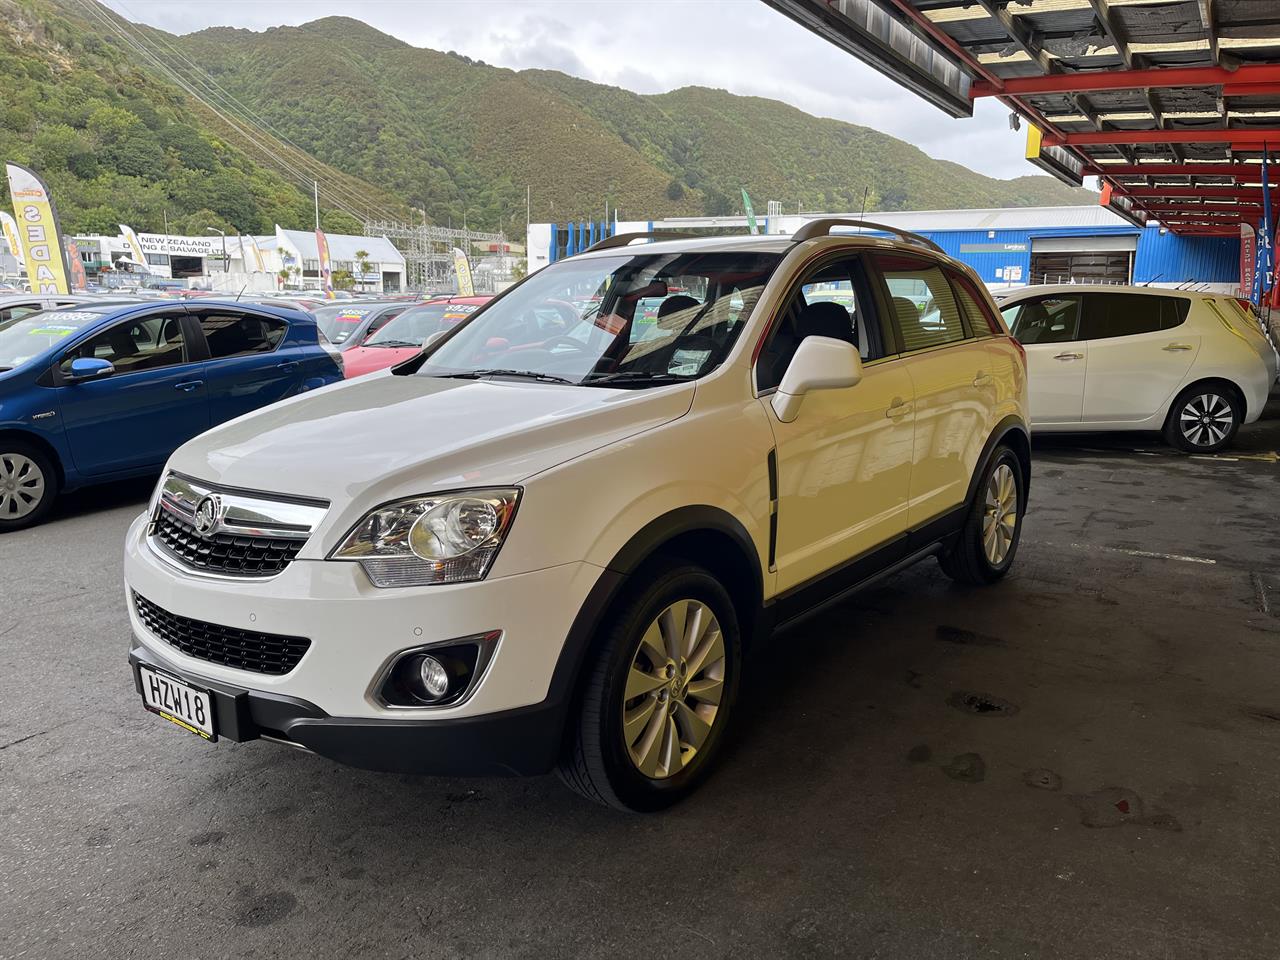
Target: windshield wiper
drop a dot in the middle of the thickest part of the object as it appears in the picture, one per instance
(627, 377)
(393, 343)
(499, 372)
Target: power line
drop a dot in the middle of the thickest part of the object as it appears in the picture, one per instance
(343, 199)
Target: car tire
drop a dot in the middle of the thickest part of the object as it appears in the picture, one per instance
(28, 484)
(1203, 419)
(988, 542)
(647, 751)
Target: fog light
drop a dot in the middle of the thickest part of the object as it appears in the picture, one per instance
(433, 678)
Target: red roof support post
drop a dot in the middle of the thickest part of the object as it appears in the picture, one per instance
(1245, 137)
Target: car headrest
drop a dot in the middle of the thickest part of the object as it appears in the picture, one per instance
(906, 312)
(680, 302)
(171, 331)
(823, 319)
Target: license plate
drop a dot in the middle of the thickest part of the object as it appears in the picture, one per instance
(178, 702)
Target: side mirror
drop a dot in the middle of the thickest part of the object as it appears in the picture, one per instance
(432, 340)
(820, 363)
(89, 368)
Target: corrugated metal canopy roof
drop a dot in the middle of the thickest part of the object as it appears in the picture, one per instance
(344, 246)
(1117, 87)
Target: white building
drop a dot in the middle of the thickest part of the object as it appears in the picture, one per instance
(296, 249)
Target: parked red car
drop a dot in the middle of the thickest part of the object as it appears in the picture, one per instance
(403, 336)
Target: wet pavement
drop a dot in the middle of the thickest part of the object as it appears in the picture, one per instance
(1082, 761)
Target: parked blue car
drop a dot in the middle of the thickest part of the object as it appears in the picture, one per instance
(94, 393)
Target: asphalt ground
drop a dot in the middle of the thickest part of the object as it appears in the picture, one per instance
(1083, 761)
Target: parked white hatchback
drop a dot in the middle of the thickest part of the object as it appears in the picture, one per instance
(547, 541)
(1191, 365)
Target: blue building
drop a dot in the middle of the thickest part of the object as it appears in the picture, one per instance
(1008, 247)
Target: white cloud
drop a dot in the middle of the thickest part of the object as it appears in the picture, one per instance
(739, 45)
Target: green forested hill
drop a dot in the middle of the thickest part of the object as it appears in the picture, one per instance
(469, 136)
(397, 127)
(118, 145)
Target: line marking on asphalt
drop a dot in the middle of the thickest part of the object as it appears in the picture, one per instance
(1260, 593)
(1146, 553)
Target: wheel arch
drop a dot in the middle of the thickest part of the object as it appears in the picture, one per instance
(1236, 391)
(709, 536)
(44, 446)
(1011, 432)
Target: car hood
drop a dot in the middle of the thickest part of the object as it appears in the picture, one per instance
(386, 436)
(358, 361)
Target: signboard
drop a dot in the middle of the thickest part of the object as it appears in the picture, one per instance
(994, 247)
(38, 231)
(180, 246)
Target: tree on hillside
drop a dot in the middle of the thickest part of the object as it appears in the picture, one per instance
(715, 203)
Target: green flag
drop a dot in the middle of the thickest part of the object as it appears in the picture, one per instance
(751, 214)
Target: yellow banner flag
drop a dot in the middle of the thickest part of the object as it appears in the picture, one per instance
(466, 286)
(38, 231)
(10, 229)
(131, 240)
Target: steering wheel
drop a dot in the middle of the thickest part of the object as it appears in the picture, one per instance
(565, 341)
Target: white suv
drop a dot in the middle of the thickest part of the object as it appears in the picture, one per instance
(548, 541)
(1192, 365)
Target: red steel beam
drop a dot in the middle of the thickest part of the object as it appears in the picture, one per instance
(1226, 193)
(1240, 171)
(1245, 137)
(1266, 76)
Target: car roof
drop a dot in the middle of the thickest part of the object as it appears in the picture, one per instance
(779, 243)
(1017, 296)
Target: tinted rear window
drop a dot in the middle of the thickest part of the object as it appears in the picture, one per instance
(1109, 315)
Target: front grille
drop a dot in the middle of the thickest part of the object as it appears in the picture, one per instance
(226, 553)
(229, 646)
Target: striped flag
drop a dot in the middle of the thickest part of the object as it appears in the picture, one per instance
(1264, 276)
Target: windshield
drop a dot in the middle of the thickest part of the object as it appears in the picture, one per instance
(34, 334)
(413, 326)
(629, 319)
(338, 323)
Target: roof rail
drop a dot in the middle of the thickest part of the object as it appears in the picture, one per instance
(822, 228)
(622, 239)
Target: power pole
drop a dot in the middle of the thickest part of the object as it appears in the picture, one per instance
(315, 186)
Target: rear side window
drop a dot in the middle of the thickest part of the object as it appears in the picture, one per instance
(1108, 315)
(923, 306)
(233, 334)
(974, 308)
(1045, 320)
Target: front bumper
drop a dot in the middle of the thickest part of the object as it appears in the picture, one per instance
(355, 629)
(522, 742)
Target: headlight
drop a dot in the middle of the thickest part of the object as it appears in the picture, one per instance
(447, 538)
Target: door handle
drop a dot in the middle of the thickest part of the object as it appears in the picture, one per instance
(898, 408)
(1069, 356)
(1179, 346)
(982, 379)
(186, 386)
(288, 365)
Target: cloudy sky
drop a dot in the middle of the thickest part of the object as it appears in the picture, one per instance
(648, 46)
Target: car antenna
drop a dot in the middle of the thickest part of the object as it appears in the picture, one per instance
(241, 293)
(1148, 283)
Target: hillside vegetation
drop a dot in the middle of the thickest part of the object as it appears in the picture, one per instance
(459, 136)
(408, 128)
(118, 145)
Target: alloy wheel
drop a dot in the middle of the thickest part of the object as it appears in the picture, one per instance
(1000, 518)
(1206, 420)
(673, 690)
(22, 486)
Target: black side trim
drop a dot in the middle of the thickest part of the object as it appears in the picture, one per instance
(805, 598)
(772, 466)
